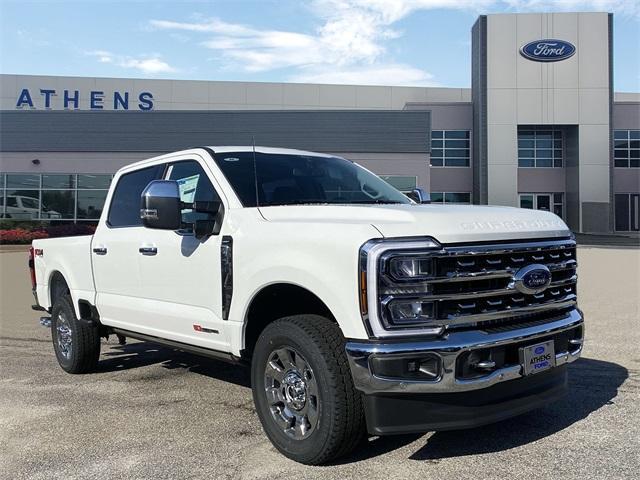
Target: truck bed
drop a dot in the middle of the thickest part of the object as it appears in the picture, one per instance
(71, 255)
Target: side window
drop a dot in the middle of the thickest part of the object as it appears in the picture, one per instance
(194, 185)
(125, 202)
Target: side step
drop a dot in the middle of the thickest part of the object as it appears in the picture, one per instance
(205, 352)
(45, 322)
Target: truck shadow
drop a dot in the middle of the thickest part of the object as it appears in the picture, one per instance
(142, 354)
(593, 384)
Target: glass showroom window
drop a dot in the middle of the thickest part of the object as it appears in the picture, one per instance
(540, 148)
(626, 153)
(404, 183)
(450, 148)
(450, 197)
(21, 197)
(551, 202)
(68, 197)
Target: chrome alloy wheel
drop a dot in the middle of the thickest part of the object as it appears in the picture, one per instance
(63, 335)
(292, 392)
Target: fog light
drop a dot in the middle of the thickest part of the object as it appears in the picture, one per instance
(426, 367)
(430, 367)
(410, 312)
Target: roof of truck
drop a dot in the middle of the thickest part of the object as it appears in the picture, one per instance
(225, 149)
(259, 148)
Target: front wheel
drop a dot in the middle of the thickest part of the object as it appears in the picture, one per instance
(303, 391)
(76, 343)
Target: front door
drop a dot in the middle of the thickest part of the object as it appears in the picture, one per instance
(550, 202)
(543, 202)
(180, 275)
(627, 212)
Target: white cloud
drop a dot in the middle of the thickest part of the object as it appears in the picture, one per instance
(350, 43)
(146, 64)
(377, 74)
(346, 48)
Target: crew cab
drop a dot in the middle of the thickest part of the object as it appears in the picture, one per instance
(358, 309)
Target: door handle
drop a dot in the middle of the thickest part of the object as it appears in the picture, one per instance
(100, 250)
(148, 250)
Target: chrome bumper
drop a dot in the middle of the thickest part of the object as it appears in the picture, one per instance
(448, 348)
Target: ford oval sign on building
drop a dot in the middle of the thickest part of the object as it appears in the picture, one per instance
(549, 50)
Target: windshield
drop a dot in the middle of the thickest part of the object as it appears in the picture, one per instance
(300, 179)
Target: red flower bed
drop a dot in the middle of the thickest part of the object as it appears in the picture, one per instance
(69, 230)
(21, 236)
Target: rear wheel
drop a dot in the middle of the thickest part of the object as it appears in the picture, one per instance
(303, 391)
(75, 342)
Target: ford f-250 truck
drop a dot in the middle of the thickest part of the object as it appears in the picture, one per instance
(358, 309)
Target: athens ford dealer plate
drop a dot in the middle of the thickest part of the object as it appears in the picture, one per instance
(538, 358)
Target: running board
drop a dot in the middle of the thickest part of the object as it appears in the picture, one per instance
(204, 352)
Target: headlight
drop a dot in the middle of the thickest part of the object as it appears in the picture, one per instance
(409, 268)
(392, 287)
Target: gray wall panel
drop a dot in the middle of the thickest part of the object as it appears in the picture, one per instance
(451, 179)
(344, 131)
(572, 175)
(447, 116)
(595, 217)
(479, 96)
(626, 180)
(626, 116)
(541, 180)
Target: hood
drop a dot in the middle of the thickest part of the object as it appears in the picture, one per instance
(445, 223)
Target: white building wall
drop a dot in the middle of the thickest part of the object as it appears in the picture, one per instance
(574, 91)
(212, 95)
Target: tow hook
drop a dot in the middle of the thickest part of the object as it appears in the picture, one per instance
(45, 321)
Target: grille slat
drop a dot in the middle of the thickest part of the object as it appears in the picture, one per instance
(463, 275)
(475, 283)
(464, 294)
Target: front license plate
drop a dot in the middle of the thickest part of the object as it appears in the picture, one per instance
(538, 358)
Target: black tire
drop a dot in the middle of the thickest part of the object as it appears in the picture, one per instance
(340, 424)
(81, 338)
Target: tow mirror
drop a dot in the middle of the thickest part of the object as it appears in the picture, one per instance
(419, 195)
(160, 206)
(211, 225)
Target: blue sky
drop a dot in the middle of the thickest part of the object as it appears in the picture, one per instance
(383, 42)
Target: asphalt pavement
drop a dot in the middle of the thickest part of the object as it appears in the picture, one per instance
(154, 413)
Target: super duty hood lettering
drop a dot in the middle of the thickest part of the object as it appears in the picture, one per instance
(446, 223)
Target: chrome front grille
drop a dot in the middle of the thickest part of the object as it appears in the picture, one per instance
(472, 284)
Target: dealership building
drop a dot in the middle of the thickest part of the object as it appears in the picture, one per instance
(541, 127)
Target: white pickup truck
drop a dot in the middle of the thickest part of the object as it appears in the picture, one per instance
(358, 309)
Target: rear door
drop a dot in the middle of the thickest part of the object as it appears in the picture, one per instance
(114, 250)
(180, 274)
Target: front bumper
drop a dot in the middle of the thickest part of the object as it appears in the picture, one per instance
(447, 390)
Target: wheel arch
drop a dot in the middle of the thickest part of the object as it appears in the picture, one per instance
(58, 286)
(278, 300)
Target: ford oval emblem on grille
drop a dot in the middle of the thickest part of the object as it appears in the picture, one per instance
(532, 279)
